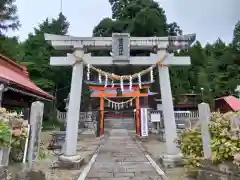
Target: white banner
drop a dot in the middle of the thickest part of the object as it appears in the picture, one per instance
(144, 122)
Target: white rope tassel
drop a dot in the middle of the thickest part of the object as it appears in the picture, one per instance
(112, 83)
(88, 72)
(100, 78)
(106, 80)
(130, 82)
(151, 74)
(121, 83)
(139, 81)
(120, 105)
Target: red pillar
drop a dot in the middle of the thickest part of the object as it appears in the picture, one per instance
(138, 122)
(101, 115)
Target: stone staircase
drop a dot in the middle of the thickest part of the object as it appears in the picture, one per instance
(120, 123)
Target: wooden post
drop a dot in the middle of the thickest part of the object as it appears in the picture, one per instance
(26, 114)
(1, 94)
(101, 115)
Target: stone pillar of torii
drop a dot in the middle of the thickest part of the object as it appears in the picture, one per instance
(120, 44)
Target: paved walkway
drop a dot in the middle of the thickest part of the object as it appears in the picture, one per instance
(120, 158)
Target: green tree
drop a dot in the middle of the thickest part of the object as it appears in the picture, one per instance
(174, 29)
(198, 61)
(234, 67)
(222, 68)
(37, 53)
(8, 16)
(214, 67)
(11, 48)
(236, 37)
(141, 18)
(9, 20)
(137, 17)
(204, 86)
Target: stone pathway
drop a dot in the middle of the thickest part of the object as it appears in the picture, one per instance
(155, 148)
(120, 158)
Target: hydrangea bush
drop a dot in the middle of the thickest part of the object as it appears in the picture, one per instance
(14, 124)
(13, 134)
(225, 141)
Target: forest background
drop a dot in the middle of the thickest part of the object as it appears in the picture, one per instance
(215, 67)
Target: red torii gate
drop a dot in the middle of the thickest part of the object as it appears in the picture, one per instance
(103, 94)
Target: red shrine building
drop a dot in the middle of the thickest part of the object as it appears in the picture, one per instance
(16, 87)
(226, 104)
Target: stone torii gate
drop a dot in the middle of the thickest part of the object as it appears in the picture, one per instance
(120, 44)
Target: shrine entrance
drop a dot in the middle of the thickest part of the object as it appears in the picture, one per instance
(122, 118)
(119, 106)
(119, 47)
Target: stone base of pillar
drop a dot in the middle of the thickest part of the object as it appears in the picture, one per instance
(142, 138)
(70, 162)
(3, 172)
(171, 161)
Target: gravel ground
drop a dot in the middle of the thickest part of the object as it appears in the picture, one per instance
(87, 145)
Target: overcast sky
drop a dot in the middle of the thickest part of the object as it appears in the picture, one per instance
(209, 19)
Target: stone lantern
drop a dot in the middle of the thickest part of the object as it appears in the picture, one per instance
(67, 102)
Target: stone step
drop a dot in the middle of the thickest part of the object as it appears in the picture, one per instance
(120, 123)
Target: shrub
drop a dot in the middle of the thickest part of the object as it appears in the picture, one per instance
(13, 133)
(5, 135)
(225, 143)
(50, 122)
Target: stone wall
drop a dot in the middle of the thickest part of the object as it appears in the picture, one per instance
(225, 171)
(90, 124)
(88, 121)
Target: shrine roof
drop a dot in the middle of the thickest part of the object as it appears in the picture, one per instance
(232, 101)
(14, 74)
(94, 83)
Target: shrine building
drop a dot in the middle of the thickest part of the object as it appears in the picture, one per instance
(16, 88)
